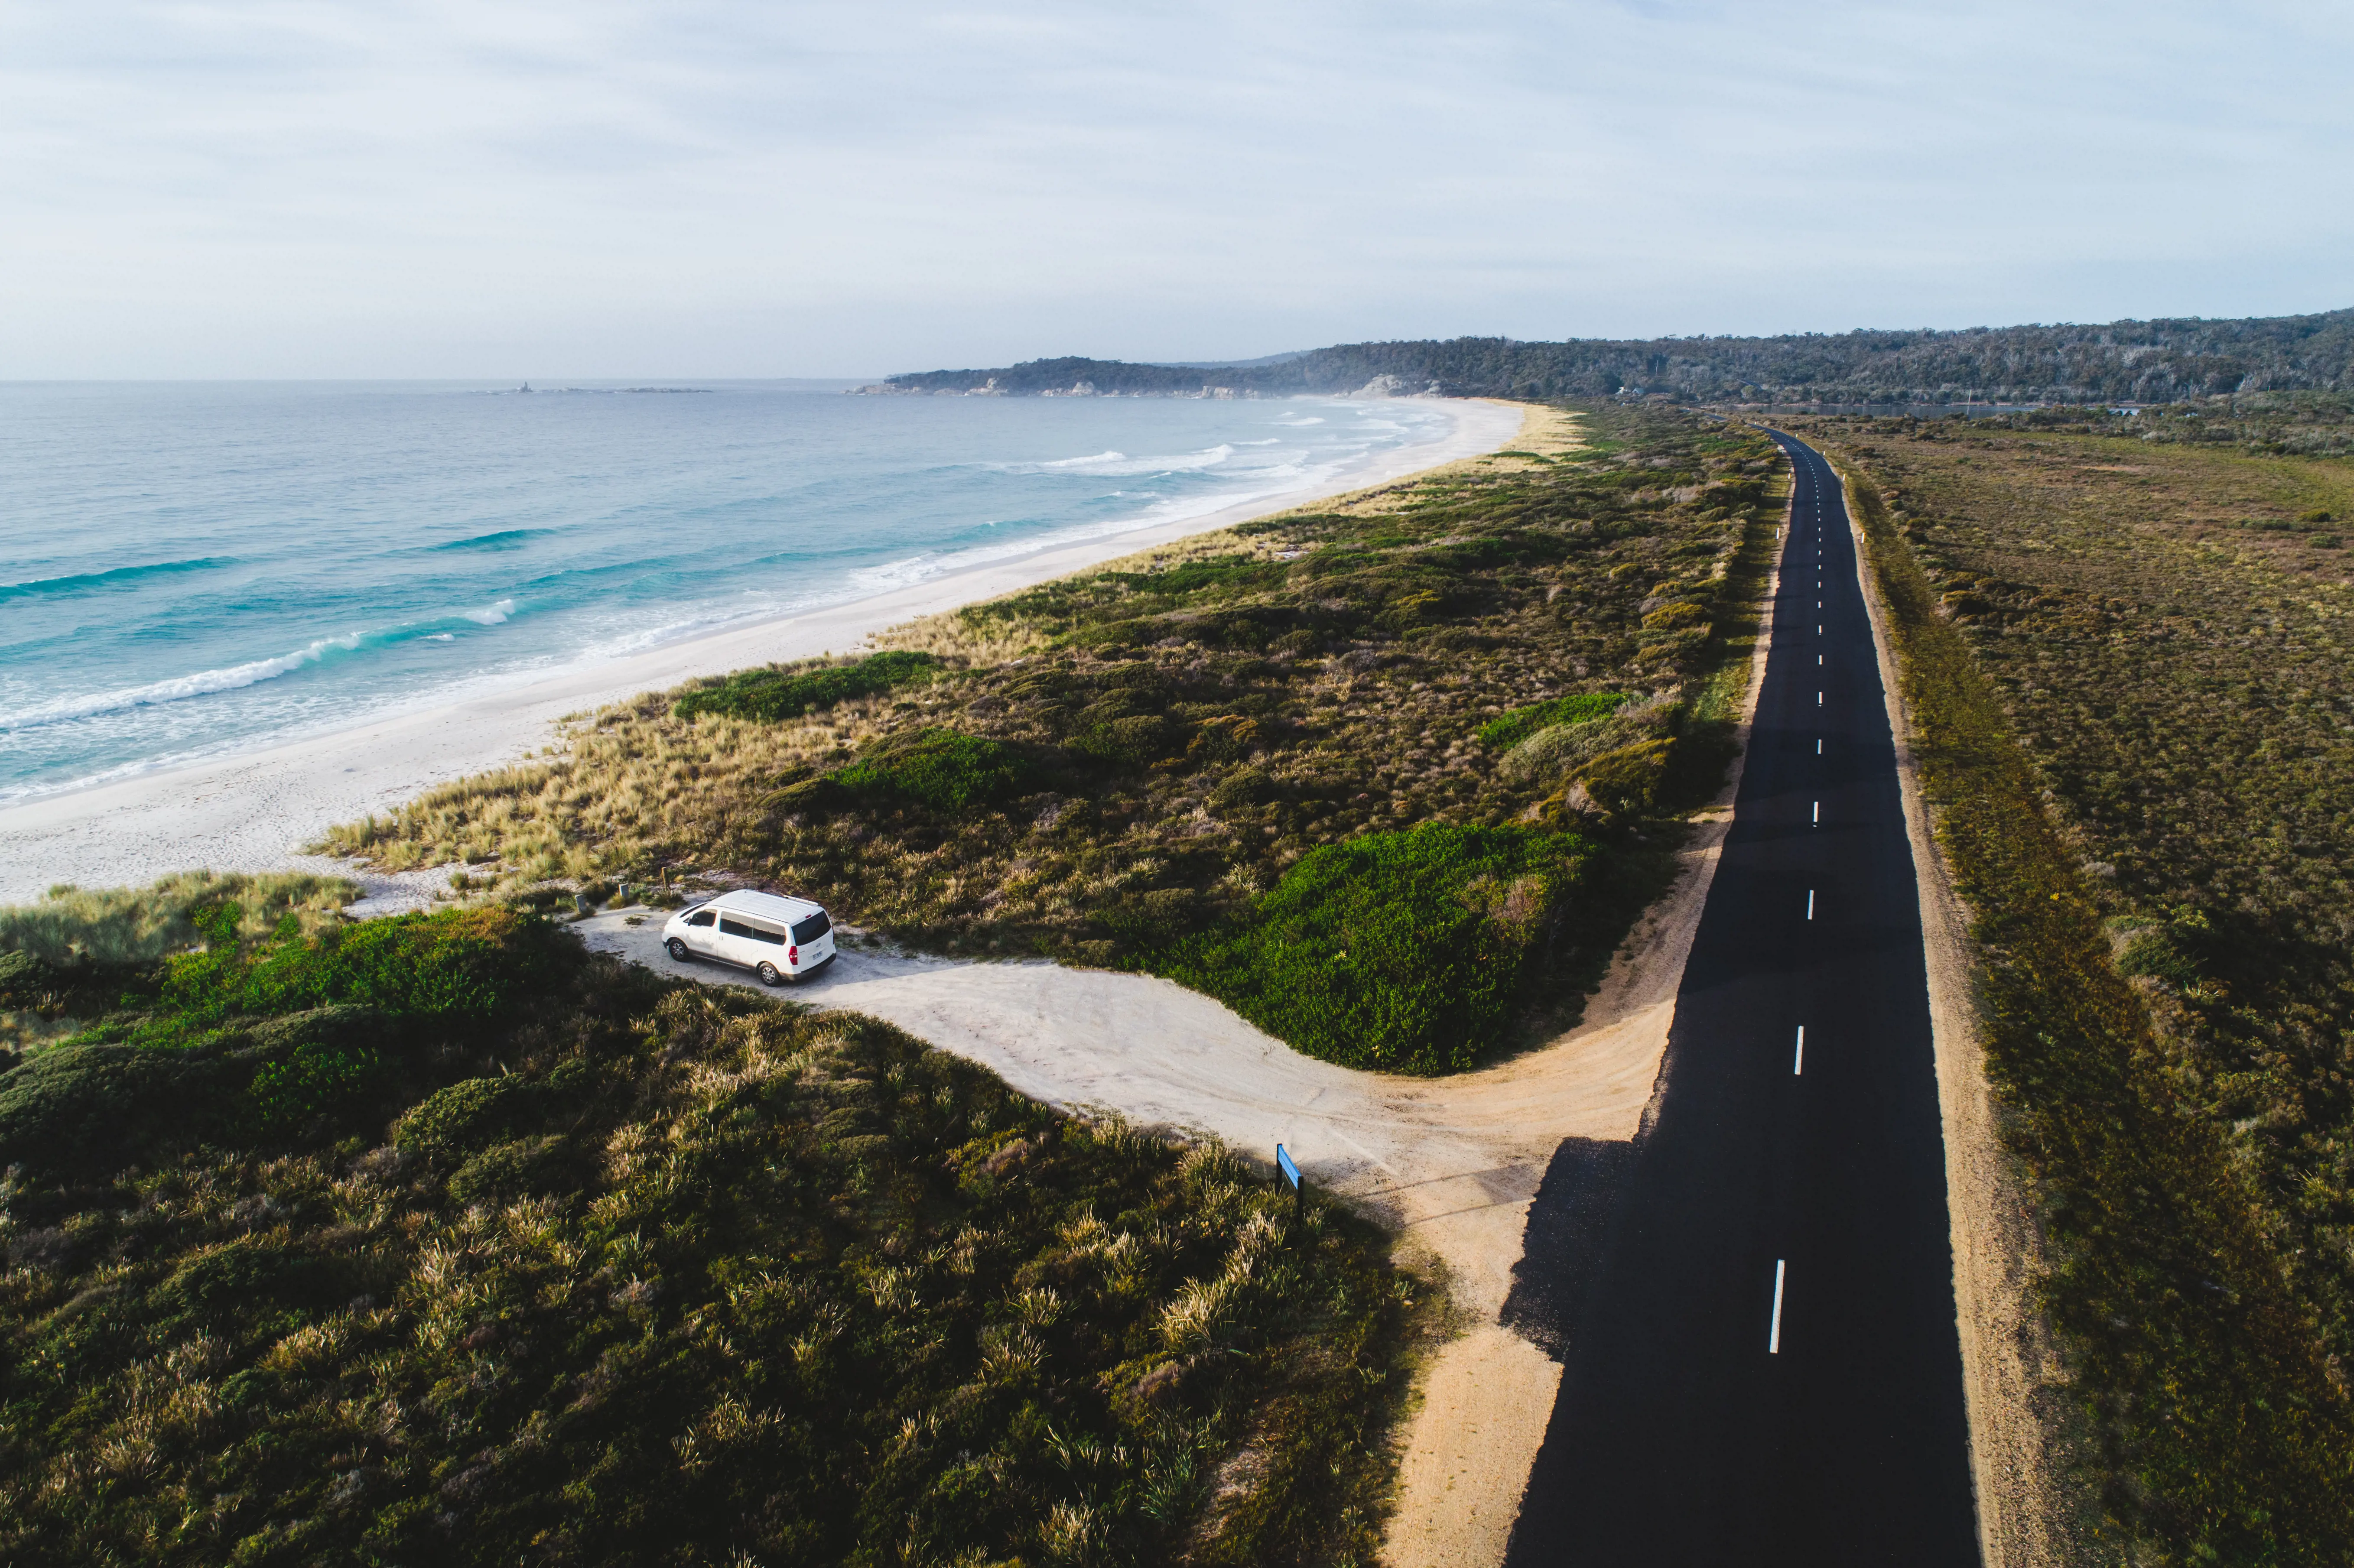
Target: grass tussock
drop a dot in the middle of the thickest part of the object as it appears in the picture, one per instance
(1108, 767)
(2135, 718)
(124, 926)
(394, 1264)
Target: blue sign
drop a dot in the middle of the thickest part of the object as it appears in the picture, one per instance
(1283, 1163)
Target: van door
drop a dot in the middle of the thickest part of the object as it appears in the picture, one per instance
(738, 942)
(769, 944)
(702, 932)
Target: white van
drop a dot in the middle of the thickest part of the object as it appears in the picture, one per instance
(780, 939)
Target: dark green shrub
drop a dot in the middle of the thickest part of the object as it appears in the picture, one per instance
(514, 1169)
(940, 769)
(26, 979)
(1401, 951)
(775, 693)
(245, 1280)
(1241, 790)
(467, 1115)
(459, 963)
(314, 1082)
(95, 1106)
(1508, 730)
(1229, 738)
(2153, 952)
(1134, 740)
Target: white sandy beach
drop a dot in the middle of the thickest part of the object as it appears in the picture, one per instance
(254, 811)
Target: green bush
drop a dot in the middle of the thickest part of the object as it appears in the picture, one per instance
(459, 963)
(466, 1115)
(941, 769)
(245, 1280)
(776, 693)
(315, 1080)
(514, 1169)
(1402, 951)
(1508, 730)
(26, 979)
(93, 1106)
(1136, 739)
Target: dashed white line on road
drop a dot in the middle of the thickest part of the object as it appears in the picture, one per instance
(1818, 810)
(1774, 1334)
(1810, 902)
(1798, 1062)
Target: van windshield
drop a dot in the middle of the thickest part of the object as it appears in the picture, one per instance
(810, 929)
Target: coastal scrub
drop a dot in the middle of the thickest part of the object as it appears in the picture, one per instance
(1106, 767)
(616, 1270)
(2127, 669)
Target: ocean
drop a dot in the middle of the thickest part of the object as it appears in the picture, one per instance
(191, 569)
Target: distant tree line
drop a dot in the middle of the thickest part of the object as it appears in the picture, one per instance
(2154, 361)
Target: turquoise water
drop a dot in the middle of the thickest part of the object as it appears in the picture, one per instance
(189, 569)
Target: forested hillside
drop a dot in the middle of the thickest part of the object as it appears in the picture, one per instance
(2144, 361)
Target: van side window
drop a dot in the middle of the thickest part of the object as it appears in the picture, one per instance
(774, 938)
(734, 928)
(702, 919)
(810, 929)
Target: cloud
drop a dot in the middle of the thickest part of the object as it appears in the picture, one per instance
(424, 189)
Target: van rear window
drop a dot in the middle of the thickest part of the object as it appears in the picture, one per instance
(810, 929)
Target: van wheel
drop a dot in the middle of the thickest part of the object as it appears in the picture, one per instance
(771, 975)
(678, 950)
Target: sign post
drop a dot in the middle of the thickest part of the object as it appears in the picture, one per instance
(1283, 1162)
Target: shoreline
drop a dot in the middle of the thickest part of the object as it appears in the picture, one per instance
(251, 812)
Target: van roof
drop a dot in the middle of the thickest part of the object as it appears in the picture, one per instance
(750, 902)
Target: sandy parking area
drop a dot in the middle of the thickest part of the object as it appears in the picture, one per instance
(1452, 1160)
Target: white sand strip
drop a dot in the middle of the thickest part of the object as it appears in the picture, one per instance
(253, 813)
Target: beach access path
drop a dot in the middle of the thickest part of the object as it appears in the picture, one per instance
(254, 811)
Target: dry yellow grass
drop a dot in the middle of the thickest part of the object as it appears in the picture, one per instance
(1203, 713)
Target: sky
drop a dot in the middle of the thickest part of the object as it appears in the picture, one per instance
(509, 188)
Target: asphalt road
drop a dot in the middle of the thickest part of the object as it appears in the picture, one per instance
(1755, 1304)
